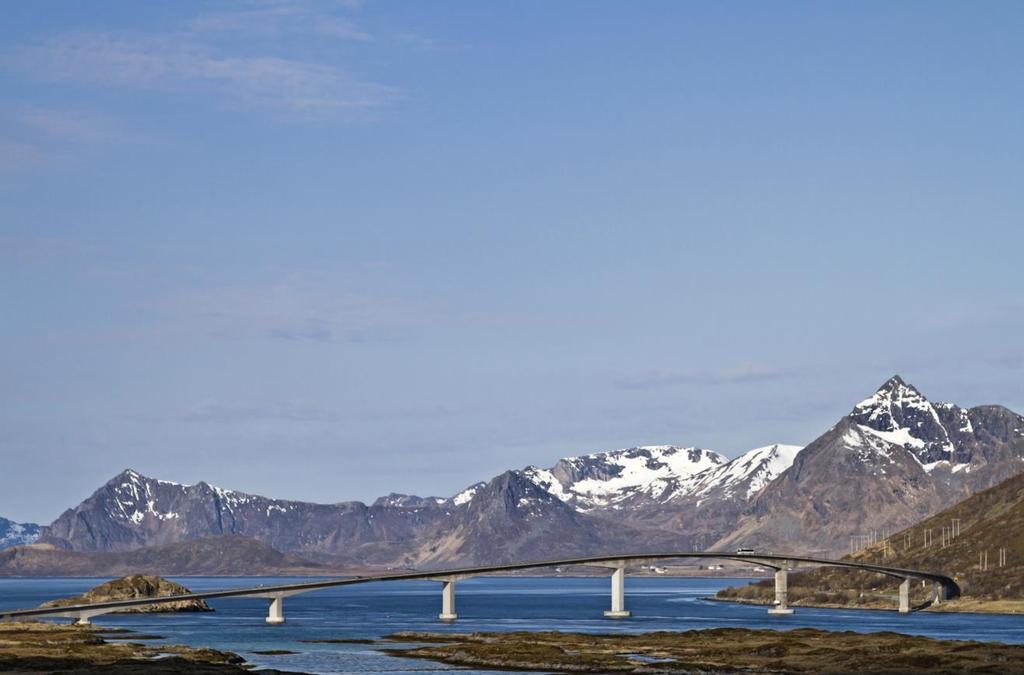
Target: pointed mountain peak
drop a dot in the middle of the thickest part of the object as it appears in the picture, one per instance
(899, 414)
(893, 382)
(894, 393)
(129, 475)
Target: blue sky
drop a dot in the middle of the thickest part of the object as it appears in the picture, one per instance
(328, 250)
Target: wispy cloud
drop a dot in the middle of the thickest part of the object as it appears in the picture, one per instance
(295, 311)
(654, 379)
(277, 19)
(17, 156)
(73, 125)
(176, 62)
(236, 412)
(53, 136)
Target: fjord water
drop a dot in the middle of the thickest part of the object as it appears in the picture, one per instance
(484, 604)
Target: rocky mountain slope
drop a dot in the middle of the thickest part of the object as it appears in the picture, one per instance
(131, 511)
(894, 459)
(17, 534)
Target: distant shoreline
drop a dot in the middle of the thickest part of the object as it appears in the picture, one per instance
(596, 575)
(958, 606)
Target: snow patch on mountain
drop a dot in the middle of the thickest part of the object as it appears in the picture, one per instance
(466, 495)
(899, 414)
(901, 436)
(133, 499)
(607, 479)
(546, 480)
(869, 446)
(17, 534)
(749, 473)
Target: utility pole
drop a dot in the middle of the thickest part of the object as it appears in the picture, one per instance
(955, 526)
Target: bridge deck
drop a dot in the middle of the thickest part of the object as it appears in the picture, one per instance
(777, 561)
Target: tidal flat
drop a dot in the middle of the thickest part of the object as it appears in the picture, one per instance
(718, 650)
(47, 647)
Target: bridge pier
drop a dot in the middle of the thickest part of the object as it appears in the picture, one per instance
(940, 593)
(905, 596)
(781, 593)
(448, 601)
(275, 615)
(84, 618)
(618, 610)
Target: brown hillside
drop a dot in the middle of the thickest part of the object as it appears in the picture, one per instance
(989, 522)
(220, 555)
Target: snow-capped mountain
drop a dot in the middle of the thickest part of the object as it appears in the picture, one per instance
(892, 460)
(898, 414)
(611, 480)
(942, 436)
(17, 534)
(132, 511)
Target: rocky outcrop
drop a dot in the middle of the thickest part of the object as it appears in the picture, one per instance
(135, 587)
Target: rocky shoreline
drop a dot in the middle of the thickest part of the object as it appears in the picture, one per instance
(37, 647)
(719, 650)
(136, 587)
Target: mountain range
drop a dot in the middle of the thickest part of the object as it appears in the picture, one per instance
(892, 460)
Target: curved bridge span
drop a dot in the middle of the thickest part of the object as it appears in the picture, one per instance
(944, 587)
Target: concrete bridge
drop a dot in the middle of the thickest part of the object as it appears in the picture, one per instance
(944, 587)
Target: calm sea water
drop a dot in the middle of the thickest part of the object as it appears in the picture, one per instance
(492, 604)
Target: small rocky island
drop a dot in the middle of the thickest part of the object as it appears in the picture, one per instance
(38, 647)
(136, 587)
(718, 650)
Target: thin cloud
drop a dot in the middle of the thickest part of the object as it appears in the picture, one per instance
(177, 62)
(235, 412)
(74, 125)
(656, 379)
(41, 248)
(294, 312)
(276, 20)
(17, 156)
